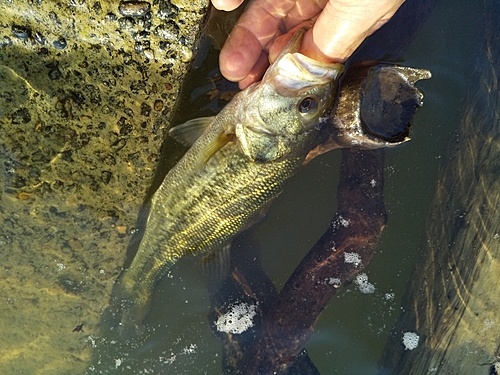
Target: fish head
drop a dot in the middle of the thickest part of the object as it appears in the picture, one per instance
(283, 112)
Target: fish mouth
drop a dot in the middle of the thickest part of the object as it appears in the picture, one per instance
(295, 72)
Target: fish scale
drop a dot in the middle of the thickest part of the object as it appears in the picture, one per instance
(239, 162)
(242, 189)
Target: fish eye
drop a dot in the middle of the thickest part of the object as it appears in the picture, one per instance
(307, 105)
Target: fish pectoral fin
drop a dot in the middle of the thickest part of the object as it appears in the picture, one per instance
(215, 267)
(211, 148)
(187, 133)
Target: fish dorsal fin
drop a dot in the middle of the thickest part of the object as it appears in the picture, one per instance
(187, 133)
(211, 148)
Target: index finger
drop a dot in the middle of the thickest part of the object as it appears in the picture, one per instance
(257, 27)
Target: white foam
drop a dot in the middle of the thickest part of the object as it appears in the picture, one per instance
(363, 285)
(336, 282)
(389, 296)
(410, 340)
(237, 320)
(352, 258)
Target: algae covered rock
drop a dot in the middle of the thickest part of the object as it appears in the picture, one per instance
(86, 93)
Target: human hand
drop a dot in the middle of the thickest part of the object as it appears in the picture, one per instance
(339, 27)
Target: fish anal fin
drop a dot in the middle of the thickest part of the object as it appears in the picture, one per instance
(215, 266)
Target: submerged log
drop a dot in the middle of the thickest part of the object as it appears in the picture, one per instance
(452, 302)
(284, 322)
(353, 233)
(249, 289)
(282, 325)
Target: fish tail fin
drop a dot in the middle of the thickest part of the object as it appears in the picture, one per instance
(124, 317)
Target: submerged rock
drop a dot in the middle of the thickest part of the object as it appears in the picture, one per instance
(79, 145)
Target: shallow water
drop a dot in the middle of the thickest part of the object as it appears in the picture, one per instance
(352, 331)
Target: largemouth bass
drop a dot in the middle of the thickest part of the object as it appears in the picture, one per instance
(241, 161)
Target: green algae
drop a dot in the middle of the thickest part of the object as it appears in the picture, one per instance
(87, 90)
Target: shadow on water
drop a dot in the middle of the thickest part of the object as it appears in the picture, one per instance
(443, 46)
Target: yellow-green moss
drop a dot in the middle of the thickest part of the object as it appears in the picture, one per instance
(86, 92)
